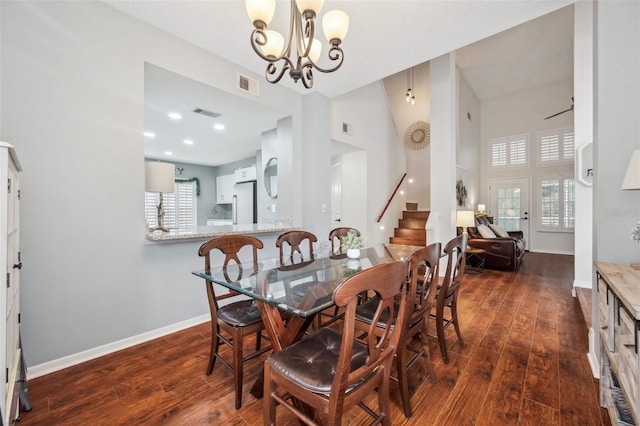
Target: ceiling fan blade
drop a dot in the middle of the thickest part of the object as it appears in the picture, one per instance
(558, 113)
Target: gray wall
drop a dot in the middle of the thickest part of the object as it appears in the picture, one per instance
(72, 101)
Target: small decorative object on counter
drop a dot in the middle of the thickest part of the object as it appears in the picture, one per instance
(635, 236)
(352, 243)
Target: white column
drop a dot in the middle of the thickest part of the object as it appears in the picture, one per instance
(443, 146)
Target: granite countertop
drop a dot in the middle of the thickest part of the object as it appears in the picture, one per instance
(206, 232)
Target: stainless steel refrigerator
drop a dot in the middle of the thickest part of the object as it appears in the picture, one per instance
(244, 203)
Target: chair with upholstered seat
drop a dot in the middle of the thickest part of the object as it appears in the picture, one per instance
(328, 372)
(423, 279)
(237, 319)
(335, 237)
(448, 288)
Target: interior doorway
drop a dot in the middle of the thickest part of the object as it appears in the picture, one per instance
(336, 195)
(510, 203)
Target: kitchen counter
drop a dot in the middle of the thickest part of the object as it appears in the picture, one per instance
(207, 232)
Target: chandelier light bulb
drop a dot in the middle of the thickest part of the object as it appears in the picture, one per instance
(335, 24)
(413, 100)
(314, 5)
(408, 95)
(260, 11)
(316, 49)
(274, 45)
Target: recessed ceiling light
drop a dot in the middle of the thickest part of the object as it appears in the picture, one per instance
(149, 135)
(175, 116)
(188, 142)
(410, 180)
(168, 153)
(218, 126)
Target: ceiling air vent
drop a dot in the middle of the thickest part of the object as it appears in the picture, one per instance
(248, 85)
(207, 113)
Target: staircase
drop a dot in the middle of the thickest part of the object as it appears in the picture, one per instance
(411, 228)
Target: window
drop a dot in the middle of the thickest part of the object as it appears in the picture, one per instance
(557, 204)
(556, 147)
(510, 151)
(180, 208)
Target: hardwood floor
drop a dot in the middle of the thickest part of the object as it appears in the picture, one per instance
(524, 363)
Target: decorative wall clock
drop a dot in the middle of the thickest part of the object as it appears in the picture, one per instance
(417, 135)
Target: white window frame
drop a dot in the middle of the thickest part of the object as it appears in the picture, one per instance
(566, 146)
(563, 204)
(510, 144)
(186, 204)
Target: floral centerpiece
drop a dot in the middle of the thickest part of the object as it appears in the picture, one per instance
(352, 243)
(635, 236)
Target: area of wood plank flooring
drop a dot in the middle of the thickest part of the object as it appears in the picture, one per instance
(523, 363)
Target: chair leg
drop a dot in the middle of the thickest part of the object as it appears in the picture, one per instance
(454, 316)
(383, 395)
(237, 365)
(268, 403)
(258, 340)
(440, 332)
(215, 344)
(424, 339)
(403, 379)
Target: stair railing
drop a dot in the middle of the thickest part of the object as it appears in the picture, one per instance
(391, 198)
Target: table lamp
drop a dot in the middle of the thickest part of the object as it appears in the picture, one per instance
(464, 219)
(482, 208)
(159, 177)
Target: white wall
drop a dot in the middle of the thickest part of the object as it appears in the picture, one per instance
(72, 101)
(374, 132)
(404, 115)
(468, 146)
(523, 113)
(583, 119)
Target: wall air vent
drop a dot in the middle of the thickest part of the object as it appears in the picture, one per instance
(248, 85)
(207, 113)
(347, 129)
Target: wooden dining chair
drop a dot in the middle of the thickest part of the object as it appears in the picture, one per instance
(293, 240)
(335, 236)
(423, 280)
(330, 372)
(447, 295)
(236, 319)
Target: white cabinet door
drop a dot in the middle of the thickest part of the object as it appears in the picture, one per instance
(245, 174)
(224, 189)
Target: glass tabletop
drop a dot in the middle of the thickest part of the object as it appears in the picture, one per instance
(303, 288)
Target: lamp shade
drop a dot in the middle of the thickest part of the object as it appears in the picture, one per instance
(304, 5)
(335, 25)
(159, 177)
(465, 218)
(260, 10)
(274, 45)
(632, 177)
(482, 208)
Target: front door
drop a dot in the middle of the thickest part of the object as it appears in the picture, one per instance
(509, 204)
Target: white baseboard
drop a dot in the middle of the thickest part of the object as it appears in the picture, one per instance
(89, 354)
(591, 356)
(570, 253)
(582, 284)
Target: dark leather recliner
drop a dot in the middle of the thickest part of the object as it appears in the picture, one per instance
(501, 253)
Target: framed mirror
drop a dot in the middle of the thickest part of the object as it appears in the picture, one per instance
(271, 177)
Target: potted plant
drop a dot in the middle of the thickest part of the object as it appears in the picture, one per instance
(352, 243)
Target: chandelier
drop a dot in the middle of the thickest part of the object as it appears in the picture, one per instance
(301, 52)
(410, 96)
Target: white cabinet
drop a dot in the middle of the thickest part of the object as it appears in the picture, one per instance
(10, 266)
(618, 301)
(245, 174)
(224, 189)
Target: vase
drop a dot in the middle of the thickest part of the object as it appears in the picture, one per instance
(353, 253)
(354, 264)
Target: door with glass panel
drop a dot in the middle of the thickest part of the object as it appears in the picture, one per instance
(509, 204)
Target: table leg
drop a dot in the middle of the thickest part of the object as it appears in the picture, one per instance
(295, 329)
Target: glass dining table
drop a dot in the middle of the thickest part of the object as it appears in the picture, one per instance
(300, 290)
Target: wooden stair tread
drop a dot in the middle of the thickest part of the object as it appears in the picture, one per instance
(411, 228)
(407, 241)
